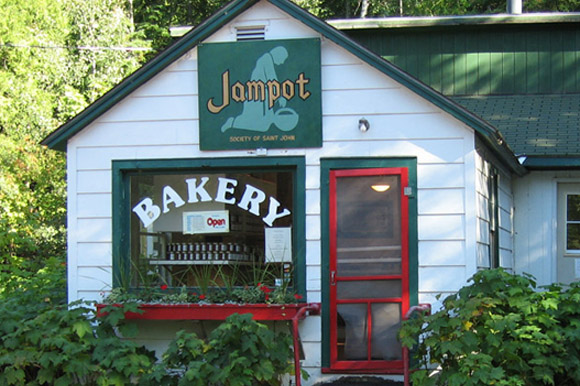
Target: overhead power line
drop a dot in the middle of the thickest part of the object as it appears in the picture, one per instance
(87, 48)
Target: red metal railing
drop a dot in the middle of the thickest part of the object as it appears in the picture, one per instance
(423, 309)
(313, 308)
(293, 312)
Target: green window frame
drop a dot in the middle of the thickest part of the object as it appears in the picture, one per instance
(494, 209)
(326, 166)
(122, 170)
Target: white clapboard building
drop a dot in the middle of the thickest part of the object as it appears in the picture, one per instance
(265, 144)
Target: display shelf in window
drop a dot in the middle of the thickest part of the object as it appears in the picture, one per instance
(198, 262)
(212, 251)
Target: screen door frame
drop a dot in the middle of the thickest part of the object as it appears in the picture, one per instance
(402, 299)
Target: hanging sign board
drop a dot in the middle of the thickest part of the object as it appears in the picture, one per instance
(260, 94)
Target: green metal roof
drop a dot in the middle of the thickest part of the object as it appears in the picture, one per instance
(483, 59)
(520, 73)
(489, 134)
(537, 127)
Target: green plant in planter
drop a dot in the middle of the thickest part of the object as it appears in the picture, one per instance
(499, 331)
(259, 294)
(251, 295)
(151, 295)
(240, 352)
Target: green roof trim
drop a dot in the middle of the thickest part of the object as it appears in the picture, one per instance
(551, 163)
(489, 134)
(433, 21)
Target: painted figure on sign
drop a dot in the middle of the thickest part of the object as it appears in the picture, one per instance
(258, 113)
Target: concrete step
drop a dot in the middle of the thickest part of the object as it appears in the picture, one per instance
(360, 381)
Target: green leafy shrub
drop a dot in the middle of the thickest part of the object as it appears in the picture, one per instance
(46, 342)
(499, 331)
(240, 352)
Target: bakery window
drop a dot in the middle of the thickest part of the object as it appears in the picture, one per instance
(209, 223)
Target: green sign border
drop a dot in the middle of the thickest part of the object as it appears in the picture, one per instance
(284, 71)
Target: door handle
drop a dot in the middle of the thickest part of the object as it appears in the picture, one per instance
(332, 277)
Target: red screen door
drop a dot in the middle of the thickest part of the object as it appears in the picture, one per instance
(369, 286)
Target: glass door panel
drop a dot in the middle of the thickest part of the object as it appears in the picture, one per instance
(353, 326)
(386, 322)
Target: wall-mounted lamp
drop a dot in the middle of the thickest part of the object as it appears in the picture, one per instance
(380, 188)
(363, 125)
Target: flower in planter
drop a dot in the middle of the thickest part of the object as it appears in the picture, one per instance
(163, 287)
(266, 291)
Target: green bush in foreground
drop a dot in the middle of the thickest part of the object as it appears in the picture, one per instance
(499, 331)
(46, 342)
(42, 343)
(240, 352)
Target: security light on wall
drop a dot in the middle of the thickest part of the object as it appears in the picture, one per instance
(363, 125)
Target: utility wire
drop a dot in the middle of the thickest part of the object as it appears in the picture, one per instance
(88, 48)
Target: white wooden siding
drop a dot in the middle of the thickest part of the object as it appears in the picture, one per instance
(160, 120)
(535, 218)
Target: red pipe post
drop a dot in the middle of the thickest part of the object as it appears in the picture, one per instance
(424, 308)
(315, 309)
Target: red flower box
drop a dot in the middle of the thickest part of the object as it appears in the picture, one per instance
(212, 311)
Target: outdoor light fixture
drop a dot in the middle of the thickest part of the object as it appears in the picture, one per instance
(380, 188)
(363, 125)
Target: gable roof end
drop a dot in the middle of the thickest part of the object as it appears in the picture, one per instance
(489, 134)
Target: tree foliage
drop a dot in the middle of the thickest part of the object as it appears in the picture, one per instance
(52, 60)
(32, 208)
(332, 9)
(52, 65)
(100, 29)
(154, 17)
